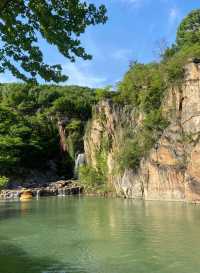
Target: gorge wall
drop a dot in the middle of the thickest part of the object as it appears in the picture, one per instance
(171, 171)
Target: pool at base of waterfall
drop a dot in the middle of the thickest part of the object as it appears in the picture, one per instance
(98, 235)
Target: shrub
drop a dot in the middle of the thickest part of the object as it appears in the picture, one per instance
(143, 86)
(173, 67)
(3, 182)
(103, 93)
(96, 176)
(188, 31)
(90, 177)
(135, 145)
(155, 121)
(129, 155)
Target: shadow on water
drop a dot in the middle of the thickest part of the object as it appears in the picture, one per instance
(15, 260)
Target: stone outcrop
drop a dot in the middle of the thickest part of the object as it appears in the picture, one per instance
(60, 188)
(171, 171)
(62, 133)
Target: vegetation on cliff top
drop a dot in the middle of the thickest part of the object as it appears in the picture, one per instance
(144, 86)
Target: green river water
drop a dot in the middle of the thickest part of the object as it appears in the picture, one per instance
(96, 235)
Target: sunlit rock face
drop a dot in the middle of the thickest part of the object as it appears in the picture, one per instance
(172, 169)
(165, 167)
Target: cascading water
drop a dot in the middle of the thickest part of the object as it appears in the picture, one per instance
(61, 192)
(37, 194)
(80, 161)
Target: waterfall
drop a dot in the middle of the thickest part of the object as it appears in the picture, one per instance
(37, 194)
(61, 192)
(80, 160)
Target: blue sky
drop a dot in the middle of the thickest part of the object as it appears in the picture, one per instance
(131, 33)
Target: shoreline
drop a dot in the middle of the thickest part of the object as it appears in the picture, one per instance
(69, 188)
(58, 188)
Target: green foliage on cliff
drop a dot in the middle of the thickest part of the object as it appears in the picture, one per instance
(174, 66)
(144, 86)
(96, 176)
(129, 155)
(187, 47)
(92, 177)
(3, 182)
(189, 30)
(89, 176)
(136, 144)
(29, 116)
(104, 93)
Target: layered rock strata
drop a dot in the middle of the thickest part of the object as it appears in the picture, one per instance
(171, 171)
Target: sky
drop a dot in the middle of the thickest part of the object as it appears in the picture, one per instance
(133, 31)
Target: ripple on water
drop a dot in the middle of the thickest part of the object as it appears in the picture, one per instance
(91, 235)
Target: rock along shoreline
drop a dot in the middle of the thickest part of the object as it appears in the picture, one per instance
(58, 188)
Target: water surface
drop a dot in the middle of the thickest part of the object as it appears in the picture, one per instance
(91, 235)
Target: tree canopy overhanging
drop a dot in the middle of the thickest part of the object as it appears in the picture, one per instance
(59, 22)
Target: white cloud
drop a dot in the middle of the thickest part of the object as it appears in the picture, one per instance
(7, 78)
(135, 3)
(173, 15)
(131, 1)
(122, 55)
(92, 46)
(81, 75)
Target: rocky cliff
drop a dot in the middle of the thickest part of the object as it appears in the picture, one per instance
(171, 170)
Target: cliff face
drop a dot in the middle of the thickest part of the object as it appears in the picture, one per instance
(171, 171)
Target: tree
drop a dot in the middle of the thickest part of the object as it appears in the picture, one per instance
(189, 30)
(59, 22)
(29, 121)
(160, 47)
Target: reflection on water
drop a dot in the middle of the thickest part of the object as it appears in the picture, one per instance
(89, 235)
